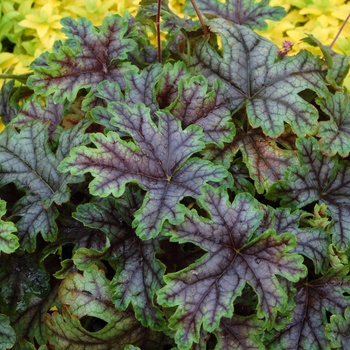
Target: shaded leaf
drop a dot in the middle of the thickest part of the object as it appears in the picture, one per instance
(157, 159)
(329, 293)
(9, 106)
(8, 241)
(239, 333)
(204, 292)
(90, 295)
(22, 278)
(265, 161)
(26, 159)
(318, 179)
(268, 89)
(250, 13)
(335, 133)
(89, 56)
(138, 274)
(7, 334)
(338, 330)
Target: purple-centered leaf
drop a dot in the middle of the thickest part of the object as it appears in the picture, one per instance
(8, 241)
(27, 160)
(250, 13)
(197, 104)
(306, 330)
(265, 161)
(204, 292)
(311, 242)
(239, 333)
(253, 78)
(318, 178)
(335, 132)
(157, 158)
(138, 274)
(89, 56)
(34, 109)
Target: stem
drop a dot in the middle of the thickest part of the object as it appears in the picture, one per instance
(204, 27)
(340, 30)
(159, 43)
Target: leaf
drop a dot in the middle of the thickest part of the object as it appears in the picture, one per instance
(199, 105)
(337, 331)
(22, 278)
(34, 109)
(240, 333)
(27, 160)
(329, 293)
(138, 274)
(311, 242)
(9, 106)
(8, 241)
(335, 133)
(249, 13)
(318, 179)
(268, 89)
(7, 334)
(89, 56)
(157, 158)
(265, 161)
(90, 295)
(204, 292)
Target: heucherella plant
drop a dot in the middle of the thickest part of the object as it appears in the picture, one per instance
(193, 195)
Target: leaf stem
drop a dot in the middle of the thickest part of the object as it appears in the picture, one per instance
(159, 43)
(340, 30)
(201, 20)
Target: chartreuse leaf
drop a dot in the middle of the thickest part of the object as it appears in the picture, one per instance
(90, 55)
(268, 89)
(8, 241)
(157, 158)
(335, 132)
(318, 179)
(250, 13)
(89, 295)
(306, 330)
(138, 274)
(204, 292)
(338, 330)
(7, 334)
(26, 160)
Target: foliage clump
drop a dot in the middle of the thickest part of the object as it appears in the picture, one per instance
(192, 195)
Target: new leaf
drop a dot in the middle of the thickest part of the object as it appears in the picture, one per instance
(204, 292)
(157, 158)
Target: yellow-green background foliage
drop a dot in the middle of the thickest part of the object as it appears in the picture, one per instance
(30, 27)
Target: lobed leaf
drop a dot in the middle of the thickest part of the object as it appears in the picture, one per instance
(89, 56)
(204, 292)
(306, 330)
(157, 158)
(335, 133)
(90, 295)
(138, 274)
(7, 334)
(337, 331)
(26, 160)
(249, 13)
(318, 179)
(268, 89)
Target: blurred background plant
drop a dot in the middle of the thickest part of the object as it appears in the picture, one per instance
(30, 27)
